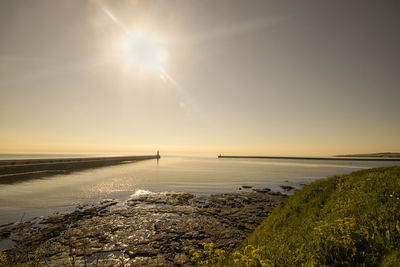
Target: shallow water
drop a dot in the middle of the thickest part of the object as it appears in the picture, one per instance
(45, 196)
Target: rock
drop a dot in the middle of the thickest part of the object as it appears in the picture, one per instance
(276, 194)
(175, 246)
(264, 190)
(287, 187)
(107, 200)
(142, 251)
(246, 186)
(153, 230)
(181, 259)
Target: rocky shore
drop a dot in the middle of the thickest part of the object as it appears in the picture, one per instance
(149, 229)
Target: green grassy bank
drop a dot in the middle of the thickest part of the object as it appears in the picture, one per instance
(348, 220)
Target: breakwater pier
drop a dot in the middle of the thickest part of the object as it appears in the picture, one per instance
(316, 158)
(12, 171)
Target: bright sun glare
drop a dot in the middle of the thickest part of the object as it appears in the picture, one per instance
(144, 52)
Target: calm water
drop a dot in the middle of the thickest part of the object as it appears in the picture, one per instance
(179, 174)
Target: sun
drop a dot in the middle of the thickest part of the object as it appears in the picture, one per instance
(143, 51)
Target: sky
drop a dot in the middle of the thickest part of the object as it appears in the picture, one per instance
(310, 78)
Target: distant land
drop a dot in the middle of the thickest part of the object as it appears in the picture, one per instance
(342, 157)
(377, 155)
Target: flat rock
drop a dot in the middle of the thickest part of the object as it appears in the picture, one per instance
(142, 250)
(264, 190)
(182, 260)
(151, 230)
(287, 187)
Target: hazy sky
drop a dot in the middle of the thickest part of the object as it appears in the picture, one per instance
(239, 77)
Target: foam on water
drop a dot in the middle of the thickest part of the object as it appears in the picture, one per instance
(142, 192)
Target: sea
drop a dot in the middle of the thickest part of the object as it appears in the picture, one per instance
(201, 175)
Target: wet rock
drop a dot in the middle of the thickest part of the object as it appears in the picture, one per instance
(287, 187)
(264, 190)
(108, 200)
(181, 260)
(152, 230)
(142, 251)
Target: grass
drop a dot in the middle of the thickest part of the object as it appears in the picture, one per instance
(347, 220)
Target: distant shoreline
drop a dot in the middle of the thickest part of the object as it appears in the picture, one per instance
(374, 155)
(316, 158)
